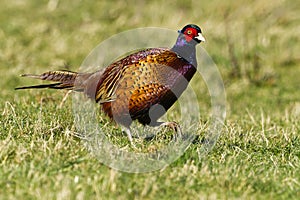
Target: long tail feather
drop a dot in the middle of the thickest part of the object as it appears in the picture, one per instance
(52, 86)
(31, 76)
(64, 79)
(37, 86)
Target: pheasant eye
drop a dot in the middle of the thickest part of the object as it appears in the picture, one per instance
(189, 32)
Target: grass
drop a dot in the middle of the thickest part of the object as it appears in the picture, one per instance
(256, 48)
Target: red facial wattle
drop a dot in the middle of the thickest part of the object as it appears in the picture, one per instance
(190, 33)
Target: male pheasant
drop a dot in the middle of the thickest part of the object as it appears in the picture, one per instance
(141, 86)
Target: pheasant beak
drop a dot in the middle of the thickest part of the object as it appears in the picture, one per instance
(200, 37)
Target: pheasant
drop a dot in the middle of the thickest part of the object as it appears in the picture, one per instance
(142, 86)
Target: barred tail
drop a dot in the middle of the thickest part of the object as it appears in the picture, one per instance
(63, 79)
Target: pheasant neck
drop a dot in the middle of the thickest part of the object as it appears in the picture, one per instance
(185, 50)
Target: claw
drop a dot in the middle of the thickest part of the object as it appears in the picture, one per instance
(173, 125)
(128, 132)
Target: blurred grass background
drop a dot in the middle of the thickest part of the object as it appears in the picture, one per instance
(255, 44)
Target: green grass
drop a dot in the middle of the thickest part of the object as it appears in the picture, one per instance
(255, 44)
